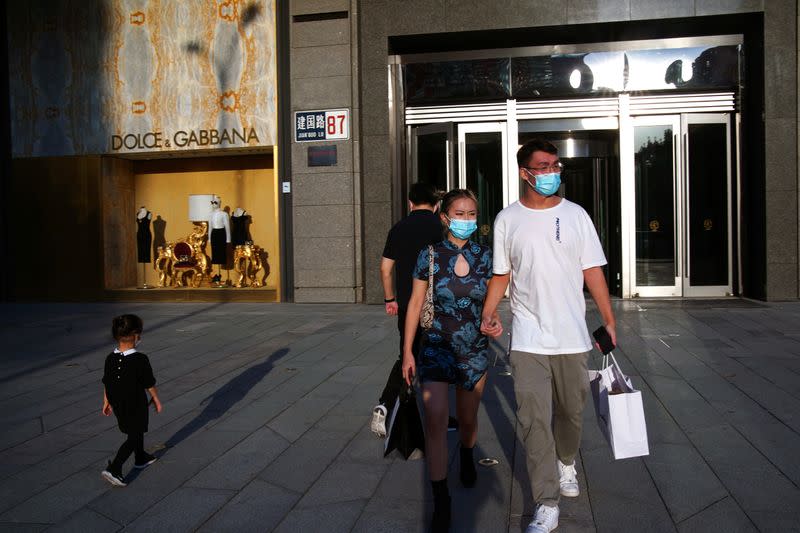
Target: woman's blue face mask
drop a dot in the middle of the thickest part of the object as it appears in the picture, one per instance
(462, 229)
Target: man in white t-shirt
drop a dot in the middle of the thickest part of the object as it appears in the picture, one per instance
(547, 247)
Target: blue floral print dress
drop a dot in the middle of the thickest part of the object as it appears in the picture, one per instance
(454, 350)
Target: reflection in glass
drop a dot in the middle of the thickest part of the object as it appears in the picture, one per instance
(708, 208)
(550, 75)
(655, 206)
(432, 159)
(587, 73)
(473, 79)
(484, 170)
(683, 68)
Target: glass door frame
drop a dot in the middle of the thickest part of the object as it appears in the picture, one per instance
(482, 127)
(706, 118)
(443, 127)
(681, 178)
(627, 156)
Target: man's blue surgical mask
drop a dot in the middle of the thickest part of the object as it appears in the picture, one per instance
(462, 229)
(547, 184)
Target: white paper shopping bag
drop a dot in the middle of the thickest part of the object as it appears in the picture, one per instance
(619, 410)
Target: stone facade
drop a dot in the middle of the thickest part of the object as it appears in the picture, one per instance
(337, 68)
(326, 200)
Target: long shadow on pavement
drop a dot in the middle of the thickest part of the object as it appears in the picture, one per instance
(220, 402)
(226, 397)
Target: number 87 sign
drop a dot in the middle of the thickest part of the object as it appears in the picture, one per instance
(323, 125)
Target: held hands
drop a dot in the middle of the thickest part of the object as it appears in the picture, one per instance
(107, 410)
(491, 325)
(391, 308)
(409, 367)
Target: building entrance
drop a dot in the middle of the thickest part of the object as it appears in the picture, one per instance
(682, 205)
(659, 189)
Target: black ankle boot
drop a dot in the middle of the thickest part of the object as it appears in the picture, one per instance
(440, 523)
(468, 473)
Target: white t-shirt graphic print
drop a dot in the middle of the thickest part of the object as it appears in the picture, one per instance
(546, 251)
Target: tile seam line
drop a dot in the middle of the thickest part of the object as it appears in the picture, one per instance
(188, 391)
(317, 386)
(333, 460)
(694, 446)
(101, 514)
(707, 507)
(89, 393)
(185, 392)
(679, 426)
(748, 395)
(742, 391)
(77, 354)
(589, 492)
(225, 451)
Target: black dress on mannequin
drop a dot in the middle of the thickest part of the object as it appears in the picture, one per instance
(239, 228)
(144, 239)
(219, 248)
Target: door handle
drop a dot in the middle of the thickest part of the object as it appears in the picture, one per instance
(675, 203)
(685, 214)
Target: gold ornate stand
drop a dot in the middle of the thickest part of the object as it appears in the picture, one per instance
(248, 262)
(184, 263)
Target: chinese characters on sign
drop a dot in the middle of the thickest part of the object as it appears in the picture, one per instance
(321, 125)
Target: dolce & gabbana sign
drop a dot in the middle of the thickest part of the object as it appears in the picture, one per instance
(184, 139)
(136, 84)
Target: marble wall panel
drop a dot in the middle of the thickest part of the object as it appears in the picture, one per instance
(118, 76)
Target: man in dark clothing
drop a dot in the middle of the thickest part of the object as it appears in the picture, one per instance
(405, 240)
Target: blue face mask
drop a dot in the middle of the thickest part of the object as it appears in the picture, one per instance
(462, 229)
(547, 184)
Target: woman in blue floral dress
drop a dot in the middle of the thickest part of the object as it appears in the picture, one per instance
(453, 350)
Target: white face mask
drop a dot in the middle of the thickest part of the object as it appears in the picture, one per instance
(137, 342)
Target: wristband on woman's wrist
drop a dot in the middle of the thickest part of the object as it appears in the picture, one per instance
(390, 300)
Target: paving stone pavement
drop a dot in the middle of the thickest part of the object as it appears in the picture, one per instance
(266, 411)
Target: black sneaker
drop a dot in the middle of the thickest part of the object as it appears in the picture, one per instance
(145, 461)
(115, 478)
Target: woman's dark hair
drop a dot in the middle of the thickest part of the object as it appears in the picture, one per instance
(126, 326)
(456, 194)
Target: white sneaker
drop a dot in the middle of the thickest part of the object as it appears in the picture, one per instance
(545, 520)
(569, 480)
(378, 424)
(114, 479)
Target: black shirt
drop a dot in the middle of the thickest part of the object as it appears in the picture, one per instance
(405, 240)
(126, 377)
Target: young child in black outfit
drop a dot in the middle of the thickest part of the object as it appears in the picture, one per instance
(126, 377)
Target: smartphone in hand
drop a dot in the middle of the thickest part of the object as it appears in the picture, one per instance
(603, 339)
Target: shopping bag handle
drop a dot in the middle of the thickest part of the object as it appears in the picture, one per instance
(407, 392)
(606, 361)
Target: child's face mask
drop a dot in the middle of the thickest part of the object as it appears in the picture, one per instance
(137, 341)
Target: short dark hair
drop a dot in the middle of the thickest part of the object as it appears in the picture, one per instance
(455, 194)
(126, 326)
(534, 145)
(422, 194)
